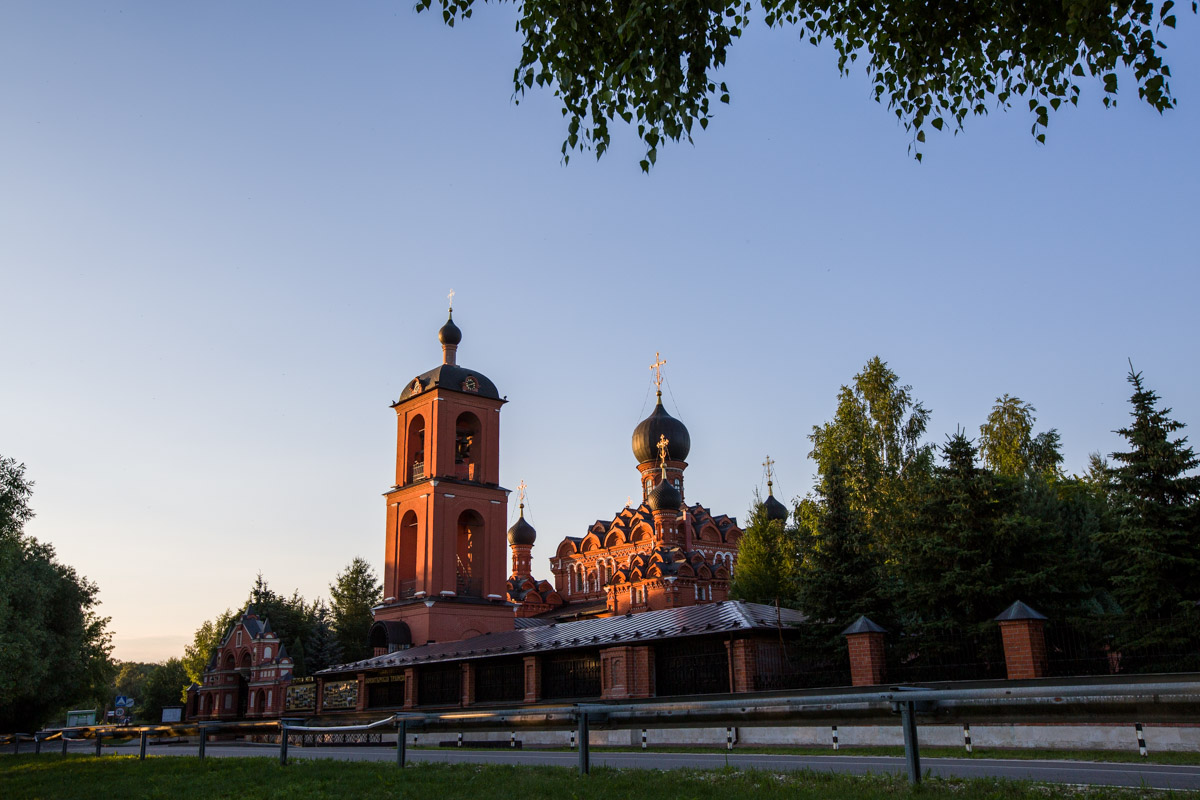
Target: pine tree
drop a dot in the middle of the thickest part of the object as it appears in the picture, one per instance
(1156, 545)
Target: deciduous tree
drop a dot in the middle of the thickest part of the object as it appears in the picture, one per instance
(653, 63)
(54, 647)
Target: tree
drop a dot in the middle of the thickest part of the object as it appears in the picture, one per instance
(204, 643)
(766, 556)
(354, 593)
(54, 648)
(875, 439)
(974, 547)
(840, 576)
(165, 686)
(1007, 443)
(653, 63)
(1156, 544)
(324, 649)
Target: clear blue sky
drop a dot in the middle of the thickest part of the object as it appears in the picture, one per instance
(227, 231)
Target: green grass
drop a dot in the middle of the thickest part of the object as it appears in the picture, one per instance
(29, 777)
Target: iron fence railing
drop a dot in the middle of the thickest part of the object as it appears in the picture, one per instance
(905, 701)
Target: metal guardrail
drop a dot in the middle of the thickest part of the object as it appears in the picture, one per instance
(906, 701)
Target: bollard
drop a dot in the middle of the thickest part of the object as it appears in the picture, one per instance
(912, 752)
(1141, 740)
(729, 738)
(16, 743)
(142, 749)
(572, 740)
(98, 735)
(64, 743)
(967, 736)
(37, 744)
(643, 738)
(283, 737)
(584, 760)
(512, 738)
(835, 739)
(401, 735)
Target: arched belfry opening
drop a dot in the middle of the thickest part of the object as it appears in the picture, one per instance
(415, 441)
(406, 556)
(468, 447)
(469, 554)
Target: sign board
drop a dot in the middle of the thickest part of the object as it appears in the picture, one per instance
(172, 714)
(120, 713)
(123, 702)
(82, 716)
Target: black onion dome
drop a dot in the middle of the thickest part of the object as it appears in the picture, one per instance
(660, 423)
(449, 333)
(521, 532)
(664, 497)
(775, 509)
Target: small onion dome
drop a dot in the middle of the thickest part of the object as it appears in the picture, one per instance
(660, 423)
(449, 333)
(775, 509)
(521, 532)
(664, 497)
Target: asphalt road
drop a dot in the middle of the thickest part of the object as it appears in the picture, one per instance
(1156, 776)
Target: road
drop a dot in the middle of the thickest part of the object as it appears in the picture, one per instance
(1156, 776)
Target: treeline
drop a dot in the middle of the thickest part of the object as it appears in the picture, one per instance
(316, 634)
(936, 540)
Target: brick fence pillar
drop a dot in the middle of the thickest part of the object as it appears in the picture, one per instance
(743, 660)
(865, 640)
(468, 683)
(1023, 632)
(533, 679)
(410, 687)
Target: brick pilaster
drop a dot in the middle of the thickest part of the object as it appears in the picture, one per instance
(867, 661)
(410, 687)
(468, 683)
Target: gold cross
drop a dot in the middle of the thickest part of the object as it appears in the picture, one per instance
(450, 297)
(769, 464)
(657, 366)
(521, 487)
(628, 500)
(663, 441)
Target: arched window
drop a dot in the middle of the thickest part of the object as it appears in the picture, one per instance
(468, 554)
(406, 556)
(415, 448)
(266, 652)
(468, 447)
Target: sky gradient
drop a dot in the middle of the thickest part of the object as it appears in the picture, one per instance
(227, 232)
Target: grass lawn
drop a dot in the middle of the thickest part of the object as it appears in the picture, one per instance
(29, 777)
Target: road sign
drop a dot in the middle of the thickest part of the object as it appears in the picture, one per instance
(123, 702)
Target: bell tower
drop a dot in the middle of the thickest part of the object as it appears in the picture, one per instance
(446, 538)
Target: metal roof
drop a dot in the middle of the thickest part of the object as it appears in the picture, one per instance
(644, 628)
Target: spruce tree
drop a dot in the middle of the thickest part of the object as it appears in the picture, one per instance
(840, 575)
(765, 560)
(1156, 545)
(324, 650)
(354, 593)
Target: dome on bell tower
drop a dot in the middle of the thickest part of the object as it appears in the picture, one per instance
(449, 333)
(648, 432)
